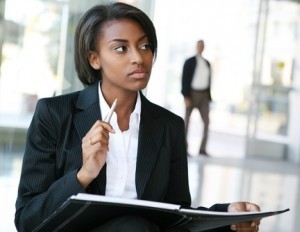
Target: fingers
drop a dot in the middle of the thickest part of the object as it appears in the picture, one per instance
(252, 226)
(98, 134)
(243, 207)
(251, 206)
(102, 125)
(99, 137)
(244, 227)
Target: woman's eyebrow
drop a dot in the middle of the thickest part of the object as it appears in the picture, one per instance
(125, 40)
(118, 40)
(142, 37)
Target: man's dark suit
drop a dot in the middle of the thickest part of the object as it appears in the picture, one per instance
(53, 155)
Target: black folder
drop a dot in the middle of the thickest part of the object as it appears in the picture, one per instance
(84, 212)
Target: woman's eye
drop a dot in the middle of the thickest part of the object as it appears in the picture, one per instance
(120, 49)
(146, 46)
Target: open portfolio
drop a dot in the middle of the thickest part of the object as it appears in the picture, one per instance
(84, 212)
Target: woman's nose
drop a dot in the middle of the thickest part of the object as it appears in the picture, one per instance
(136, 56)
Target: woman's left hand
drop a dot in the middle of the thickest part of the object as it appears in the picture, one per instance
(252, 226)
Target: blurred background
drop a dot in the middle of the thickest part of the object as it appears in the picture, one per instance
(254, 50)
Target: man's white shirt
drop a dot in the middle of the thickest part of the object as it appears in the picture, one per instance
(201, 75)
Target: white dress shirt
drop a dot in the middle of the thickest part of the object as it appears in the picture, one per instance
(122, 154)
(201, 75)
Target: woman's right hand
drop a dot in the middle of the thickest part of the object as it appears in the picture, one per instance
(94, 152)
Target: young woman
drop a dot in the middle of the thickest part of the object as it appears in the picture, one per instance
(140, 153)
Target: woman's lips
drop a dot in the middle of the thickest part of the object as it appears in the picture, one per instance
(138, 74)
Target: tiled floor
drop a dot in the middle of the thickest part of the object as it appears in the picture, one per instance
(274, 185)
(224, 177)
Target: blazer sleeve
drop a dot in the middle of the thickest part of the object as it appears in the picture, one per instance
(178, 189)
(187, 76)
(41, 188)
(210, 79)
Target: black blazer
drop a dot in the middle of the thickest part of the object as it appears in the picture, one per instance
(53, 155)
(188, 74)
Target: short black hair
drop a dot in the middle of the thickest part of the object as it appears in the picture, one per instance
(89, 29)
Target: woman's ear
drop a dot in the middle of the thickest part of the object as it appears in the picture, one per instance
(94, 61)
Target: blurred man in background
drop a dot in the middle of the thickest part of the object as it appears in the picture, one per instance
(196, 82)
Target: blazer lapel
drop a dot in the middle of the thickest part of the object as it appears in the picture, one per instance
(150, 139)
(89, 112)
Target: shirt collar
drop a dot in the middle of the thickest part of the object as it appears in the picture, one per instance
(137, 109)
(199, 57)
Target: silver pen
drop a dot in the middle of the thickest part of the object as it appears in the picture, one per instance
(111, 111)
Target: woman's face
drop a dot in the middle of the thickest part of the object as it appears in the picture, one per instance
(124, 56)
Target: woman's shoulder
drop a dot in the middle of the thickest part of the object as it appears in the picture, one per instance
(60, 100)
(59, 105)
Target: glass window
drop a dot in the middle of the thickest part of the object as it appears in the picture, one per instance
(36, 61)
